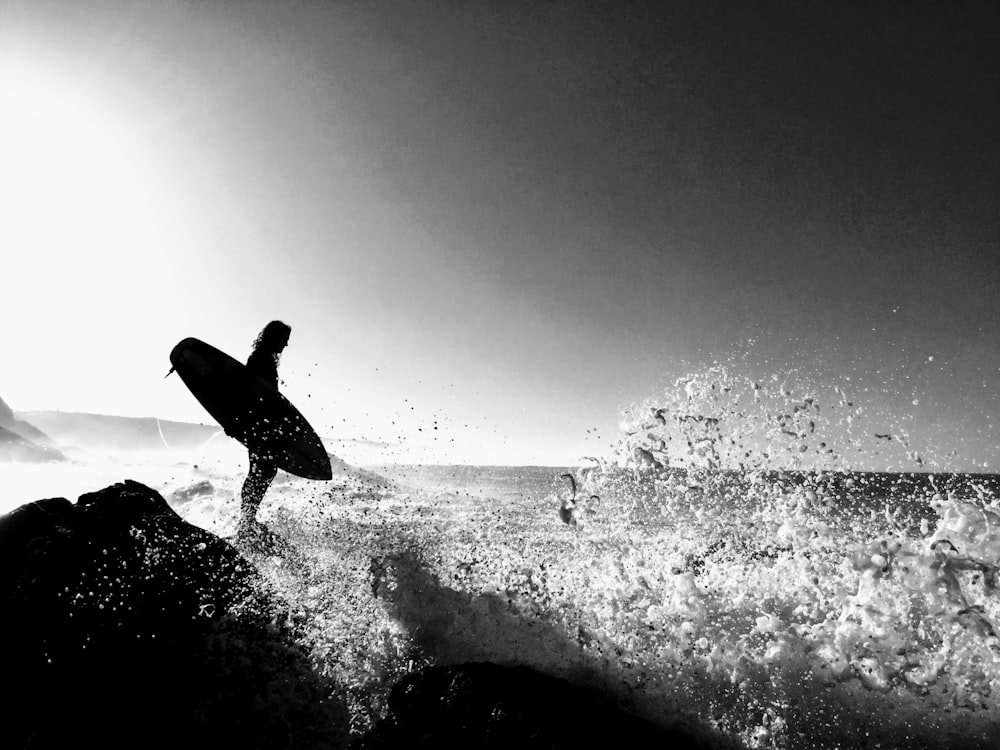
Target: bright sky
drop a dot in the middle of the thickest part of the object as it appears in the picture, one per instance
(502, 220)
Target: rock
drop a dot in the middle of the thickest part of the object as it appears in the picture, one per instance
(486, 705)
(124, 626)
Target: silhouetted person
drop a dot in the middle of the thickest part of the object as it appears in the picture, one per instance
(262, 362)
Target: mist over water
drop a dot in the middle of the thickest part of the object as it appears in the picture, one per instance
(814, 412)
(803, 603)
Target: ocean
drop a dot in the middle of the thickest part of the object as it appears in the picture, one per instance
(771, 604)
(765, 611)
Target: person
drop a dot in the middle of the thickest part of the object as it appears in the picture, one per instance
(262, 362)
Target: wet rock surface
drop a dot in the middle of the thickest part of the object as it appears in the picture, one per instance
(125, 626)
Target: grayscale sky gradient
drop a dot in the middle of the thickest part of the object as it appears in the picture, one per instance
(504, 220)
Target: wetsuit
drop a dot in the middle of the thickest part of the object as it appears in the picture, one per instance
(262, 467)
(265, 366)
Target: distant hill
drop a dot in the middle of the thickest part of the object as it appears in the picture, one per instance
(13, 447)
(110, 433)
(24, 429)
(105, 433)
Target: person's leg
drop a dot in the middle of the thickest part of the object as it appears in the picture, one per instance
(259, 478)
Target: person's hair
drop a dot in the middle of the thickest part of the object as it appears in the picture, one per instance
(270, 335)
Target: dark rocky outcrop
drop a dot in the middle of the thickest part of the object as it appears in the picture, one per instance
(485, 705)
(124, 626)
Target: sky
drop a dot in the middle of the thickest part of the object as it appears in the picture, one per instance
(493, 226)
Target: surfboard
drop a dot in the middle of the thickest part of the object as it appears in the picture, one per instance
(250, 409)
